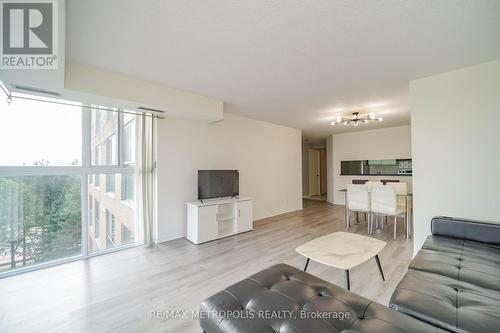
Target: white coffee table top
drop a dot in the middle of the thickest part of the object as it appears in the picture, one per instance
(342, 250)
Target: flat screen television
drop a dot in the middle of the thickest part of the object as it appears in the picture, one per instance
(218, 184)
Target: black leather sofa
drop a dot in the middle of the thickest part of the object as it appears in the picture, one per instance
(452, 284)
(454, 280)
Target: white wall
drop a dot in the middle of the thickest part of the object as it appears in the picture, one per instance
(91, 85)
(268, 157)
(455, 142)
(385, 143)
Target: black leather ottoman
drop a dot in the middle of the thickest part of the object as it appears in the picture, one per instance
(284, 299)
(454, 281)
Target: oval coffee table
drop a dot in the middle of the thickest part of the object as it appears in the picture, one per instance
(342, 250)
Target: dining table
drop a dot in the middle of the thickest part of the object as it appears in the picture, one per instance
(408, 198)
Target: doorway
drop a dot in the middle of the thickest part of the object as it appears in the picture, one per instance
(314, 172)
(323, 184)
(314, 169)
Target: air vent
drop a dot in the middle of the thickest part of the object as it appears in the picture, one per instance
(37, 90)
(150, 109)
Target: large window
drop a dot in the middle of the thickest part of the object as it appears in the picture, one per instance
(128, 187)
(40, 219)
(111, 150)
(110, 184)
(110, 229)
(127, 236)
(64, 188)
(96, 154)
(39, 134)
(110, 160)
(96, 122)
(97, 228)
(105, 128)
(91, 210)
(129, 139)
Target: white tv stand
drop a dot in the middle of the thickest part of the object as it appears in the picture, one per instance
(217, 218)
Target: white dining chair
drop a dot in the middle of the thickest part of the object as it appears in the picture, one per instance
(358, 200)
(400, 188)
(384, 201)
(371, 184)
(402, 192)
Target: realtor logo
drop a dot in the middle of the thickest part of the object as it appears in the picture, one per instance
(29, 39)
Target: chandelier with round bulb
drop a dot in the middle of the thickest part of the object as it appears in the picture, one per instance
(356, 119)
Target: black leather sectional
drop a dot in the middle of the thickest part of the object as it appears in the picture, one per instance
(454, 281)
(452, 285)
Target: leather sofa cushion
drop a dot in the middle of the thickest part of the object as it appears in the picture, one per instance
(282, 287)
(453, 284)
(466, 229)
(475, 263)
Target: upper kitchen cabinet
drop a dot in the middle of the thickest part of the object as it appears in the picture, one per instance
(388, 167)
(382, 162)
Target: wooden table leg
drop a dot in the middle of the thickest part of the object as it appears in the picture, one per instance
(377, 259)
(347, 281)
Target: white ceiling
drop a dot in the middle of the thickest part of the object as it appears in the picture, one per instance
(290, 62)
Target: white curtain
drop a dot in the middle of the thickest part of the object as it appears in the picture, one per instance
(146, 182)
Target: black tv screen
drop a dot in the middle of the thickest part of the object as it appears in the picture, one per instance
(217, 183)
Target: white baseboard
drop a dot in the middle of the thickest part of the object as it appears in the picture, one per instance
(163, 240)
(285, 212)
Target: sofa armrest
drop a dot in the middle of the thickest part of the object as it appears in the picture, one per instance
(477, 231)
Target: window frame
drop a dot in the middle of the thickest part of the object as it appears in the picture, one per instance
(133, 125)
(97, 219)
(110, 227)
(110, 155)
(90, 210)
(125, 186)
(97, 156)
(110, 181)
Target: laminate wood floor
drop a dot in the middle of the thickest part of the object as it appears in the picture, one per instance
(117, 292)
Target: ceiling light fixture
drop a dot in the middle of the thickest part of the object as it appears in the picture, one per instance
(355, 119)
